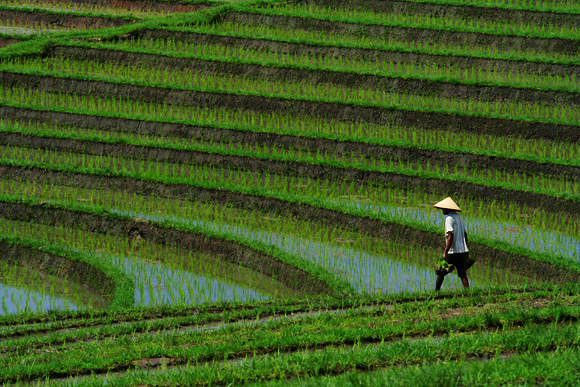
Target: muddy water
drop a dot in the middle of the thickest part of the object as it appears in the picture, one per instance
(163, 284)
(17, 300)
(366, 272)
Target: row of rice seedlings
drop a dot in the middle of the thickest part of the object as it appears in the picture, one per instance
(162, 274)
(230, 83)
(108, 161)
(416, 70)
(17, 27)
(327, 366)
(289, 337)
(446, 22)
(533, 181)
(271, 181)
(562, 6)
(23, 290)
(287, 123)
(516, 233)
(370, 265)
(139, 10)
(329, 38)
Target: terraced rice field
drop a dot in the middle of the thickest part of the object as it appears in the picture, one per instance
(227, 193)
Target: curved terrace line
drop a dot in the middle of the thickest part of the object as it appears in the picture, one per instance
(20, 115)
(388, 52)
(448, 87)
(286, 269)
(108, 285)
(435, 119)
(324, 18)
(334, 214)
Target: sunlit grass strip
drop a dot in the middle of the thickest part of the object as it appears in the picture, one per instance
(325, 39)
(122, 296)
(327, 323)
(420, 71)
(121, 357)
(437, 23)
(554, 367)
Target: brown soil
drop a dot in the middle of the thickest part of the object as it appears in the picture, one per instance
(318, 77)
(456, 11)
(323, 110)
(156, 6)
(372, 55)
(8, 41)
(292, 277)
(113, 224)
(64, 21)
(82, 273)
(503, 43)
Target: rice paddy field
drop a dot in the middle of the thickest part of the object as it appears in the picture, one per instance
(241, 192)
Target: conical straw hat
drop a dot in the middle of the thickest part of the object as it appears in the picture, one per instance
(448, 204)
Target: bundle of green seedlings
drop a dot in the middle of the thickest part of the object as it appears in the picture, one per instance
(282, 348)
(324, 38)
(411, 70)
(442, 23)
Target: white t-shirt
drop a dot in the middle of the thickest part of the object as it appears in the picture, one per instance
(454, 223)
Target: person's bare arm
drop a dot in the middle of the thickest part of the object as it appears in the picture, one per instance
(448, 245)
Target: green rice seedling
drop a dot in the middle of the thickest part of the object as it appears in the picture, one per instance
(334, 39)
(137, 9)
(448, 73)
(282, 123)
(445, 23)
(23, 290)
(297, 244)
(332, 93)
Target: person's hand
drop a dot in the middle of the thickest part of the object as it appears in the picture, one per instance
(445, 256)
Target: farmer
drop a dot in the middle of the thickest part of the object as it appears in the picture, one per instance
(456, 252)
